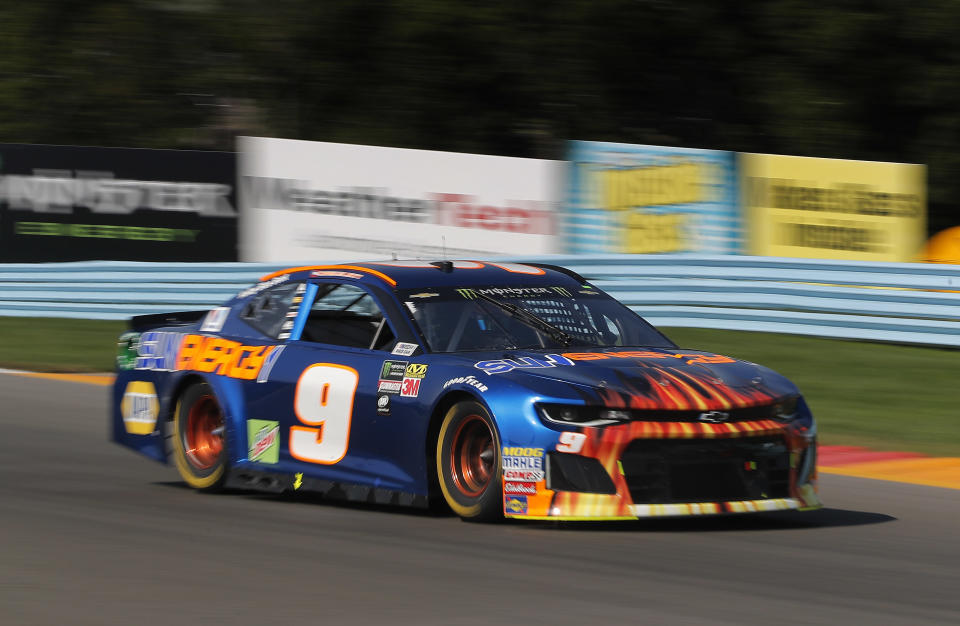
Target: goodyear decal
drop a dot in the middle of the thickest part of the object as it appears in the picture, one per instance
(139, 407)
(466, 380)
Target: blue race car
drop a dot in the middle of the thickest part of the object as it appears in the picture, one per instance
(500, 388)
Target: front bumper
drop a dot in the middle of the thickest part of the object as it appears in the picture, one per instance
(660, 469)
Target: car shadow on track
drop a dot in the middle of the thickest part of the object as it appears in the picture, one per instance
(786, 520)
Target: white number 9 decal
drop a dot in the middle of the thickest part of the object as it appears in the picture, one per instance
(324, 401)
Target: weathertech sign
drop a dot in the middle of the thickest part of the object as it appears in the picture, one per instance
(390, 202)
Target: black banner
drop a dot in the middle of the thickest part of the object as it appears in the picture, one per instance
(73, 203)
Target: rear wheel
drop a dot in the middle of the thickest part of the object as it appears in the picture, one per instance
(199, 444)
(468, 463)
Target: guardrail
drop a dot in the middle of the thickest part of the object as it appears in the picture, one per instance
(898, 302)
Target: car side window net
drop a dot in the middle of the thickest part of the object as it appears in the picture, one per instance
(346, 315)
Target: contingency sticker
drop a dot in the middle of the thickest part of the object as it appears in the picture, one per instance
(139, 407)
(391, 377)
(404, 349)
(213, 322)
(263, 441)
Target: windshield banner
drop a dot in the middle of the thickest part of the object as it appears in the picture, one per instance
(636, 199)
(74, 203)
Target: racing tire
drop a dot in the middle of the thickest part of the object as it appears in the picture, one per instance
(468, 463)
(199, 442)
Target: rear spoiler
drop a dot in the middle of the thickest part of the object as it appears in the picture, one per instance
(141, 323)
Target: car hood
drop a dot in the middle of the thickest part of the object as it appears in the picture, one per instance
(643, 378)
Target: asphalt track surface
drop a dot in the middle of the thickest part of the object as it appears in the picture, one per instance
(91, 533)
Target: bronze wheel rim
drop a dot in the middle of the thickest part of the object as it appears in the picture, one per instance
(472, 456)
(203, 439)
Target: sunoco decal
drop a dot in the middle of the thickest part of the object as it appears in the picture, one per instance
(502, 366)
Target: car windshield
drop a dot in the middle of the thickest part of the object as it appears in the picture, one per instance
(500, 318)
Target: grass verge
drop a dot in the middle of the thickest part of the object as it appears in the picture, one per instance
(59, 345)
(882, 396)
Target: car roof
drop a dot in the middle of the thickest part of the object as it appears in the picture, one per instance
(417, 274)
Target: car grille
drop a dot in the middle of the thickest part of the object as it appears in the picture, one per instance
(661, 471)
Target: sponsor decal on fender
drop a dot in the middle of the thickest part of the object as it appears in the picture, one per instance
(139, 407)
(383, 404)
(392, 377)
(516, 458)
(515, 505)
(524, 488)
(502, 366)
(163, 351)
(415, 370)
(466, 380)
(263, 441)
(526, 476)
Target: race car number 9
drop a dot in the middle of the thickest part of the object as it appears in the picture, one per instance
(324, 402)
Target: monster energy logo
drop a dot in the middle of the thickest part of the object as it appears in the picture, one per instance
(514, 292)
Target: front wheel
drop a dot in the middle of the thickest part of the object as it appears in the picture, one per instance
(468, 463)
(199, 449)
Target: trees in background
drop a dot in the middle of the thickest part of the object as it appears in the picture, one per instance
(873, 80)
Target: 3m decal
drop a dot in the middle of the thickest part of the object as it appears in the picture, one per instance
(214, 320)
(404, 349)
(466, 380)
(502, 366)
(415, 370)
(139, 407)
(524, 488)
(263, 441)
(323, 401)
(515, 505)
(411, 387)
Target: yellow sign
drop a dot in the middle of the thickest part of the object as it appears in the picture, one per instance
(833, 209)
(139, 407)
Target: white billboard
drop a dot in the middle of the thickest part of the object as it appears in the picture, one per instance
(304, 201)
